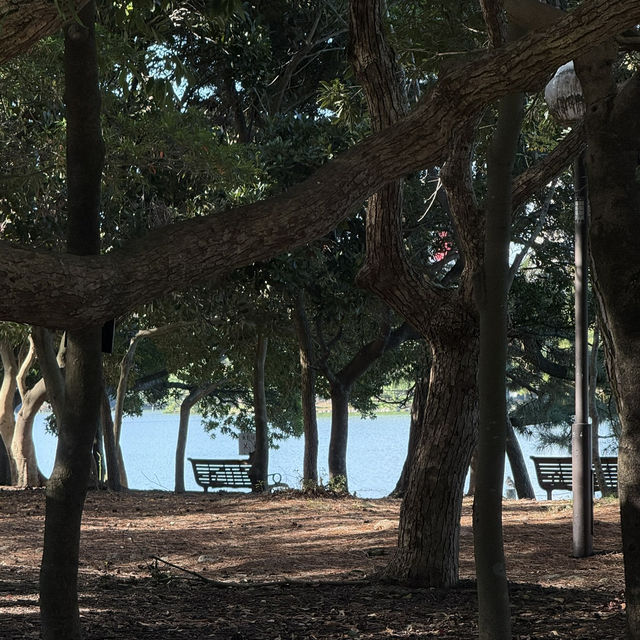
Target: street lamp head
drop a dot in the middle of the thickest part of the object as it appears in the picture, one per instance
(563, 95)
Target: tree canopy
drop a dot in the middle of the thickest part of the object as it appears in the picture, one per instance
(62, 290)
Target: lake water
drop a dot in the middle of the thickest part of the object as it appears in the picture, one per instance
(376, 452)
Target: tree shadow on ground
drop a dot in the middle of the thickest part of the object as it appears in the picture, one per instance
(172, 607)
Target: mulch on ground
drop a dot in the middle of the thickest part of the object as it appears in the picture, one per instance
(292, 567)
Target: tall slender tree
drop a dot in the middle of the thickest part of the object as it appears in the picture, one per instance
(80, 410)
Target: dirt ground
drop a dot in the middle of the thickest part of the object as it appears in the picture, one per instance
(290, 567)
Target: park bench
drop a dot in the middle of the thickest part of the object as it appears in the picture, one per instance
(555, 473)
(231, 474)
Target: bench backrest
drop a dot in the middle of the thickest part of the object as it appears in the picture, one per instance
(555, 472)
(221, 473)
(609, 471)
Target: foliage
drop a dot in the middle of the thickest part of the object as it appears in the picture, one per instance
(213, 104)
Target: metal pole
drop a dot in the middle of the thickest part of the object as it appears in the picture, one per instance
(581, 430)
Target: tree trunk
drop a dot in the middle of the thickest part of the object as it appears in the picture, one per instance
(97, 475)
(260, 459)
(67, 487)
(123, 381)
(427, 553)
(613, 130)
(418, 408)
(339, 438)
(521, 479)
(5, 465)
(183, 428)
(7, 399)
(111, 450)
(491, 296)
(185, 412)
(593, 412)
(341, 383)
(118, 411)
(22, 449)
(308, 393)
(473, 470)
(83, 385)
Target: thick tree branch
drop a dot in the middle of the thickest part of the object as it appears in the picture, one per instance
(463, 206)
(552, 165)
(373, 350)
(531, 14)
(125, 368)
(52, 367)
(532, 353)
(386, 271)
(74, 291)
(25, 22)
(23, 371)
(492, 11)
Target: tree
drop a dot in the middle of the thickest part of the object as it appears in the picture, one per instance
(307, 392)
(80, 392)
(446, 316)
(613, 136)
(8, 391)
(428, 536)
(355, 335)
(194, 396)
(22, 450)
(259, 471)
(146, 267)
(308, 210)
(491, 298)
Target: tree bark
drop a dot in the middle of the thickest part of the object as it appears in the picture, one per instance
(473, 470)
(593, 412)
(338, 478)
(123, 382)
(427, 553)
(78, 291)
(80, 413)
(51, 366)
(308, 393)
(491, 296)
(260, 458)
(67, 487)
(418, 408)
(111, 449)
(613, 131)
(22, 450)
(7, 398)
(185, 412)
(25, 22)
(6, 471)
(524, 488)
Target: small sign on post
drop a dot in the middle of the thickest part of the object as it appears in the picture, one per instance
(246, 443)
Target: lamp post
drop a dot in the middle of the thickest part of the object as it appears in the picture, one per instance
(563, 95)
